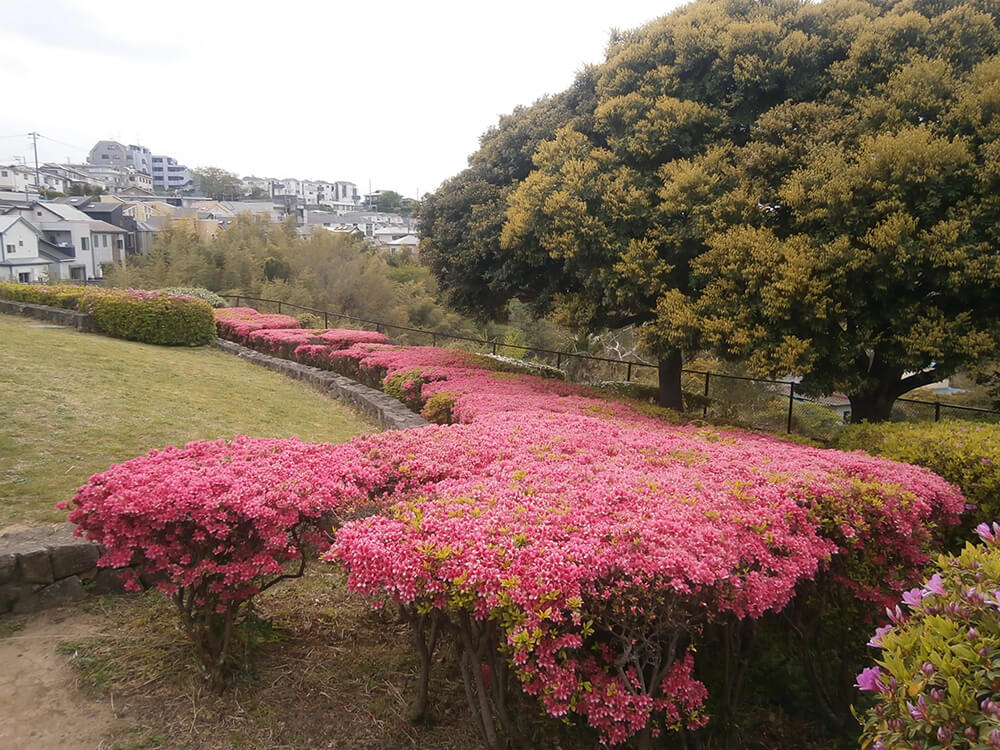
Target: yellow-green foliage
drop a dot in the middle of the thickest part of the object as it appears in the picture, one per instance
(438, 408)
(965, 454)
(155, 319)
(149, 317)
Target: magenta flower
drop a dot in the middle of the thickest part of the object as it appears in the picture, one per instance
(876, 640)
(870, 680)
(934, 585)
(913, 597)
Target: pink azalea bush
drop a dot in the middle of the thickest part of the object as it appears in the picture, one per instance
(601, 550)
(283, 342)
(936, 676)
(211, 524)
(237, 323)
(570, 544)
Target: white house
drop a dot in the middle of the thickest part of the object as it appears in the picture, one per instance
(407, 241)
(89, 242)
(25, 256)
(71, 176)
(17, 179)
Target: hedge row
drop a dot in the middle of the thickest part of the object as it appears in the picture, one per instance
(134, 314)
(967, 455)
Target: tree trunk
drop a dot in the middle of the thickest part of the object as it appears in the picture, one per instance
(885, 383)
(669, 376)
(871, 407)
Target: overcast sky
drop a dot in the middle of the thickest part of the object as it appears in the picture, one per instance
(390, 93)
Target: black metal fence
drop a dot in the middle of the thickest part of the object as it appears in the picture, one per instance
(766, 391)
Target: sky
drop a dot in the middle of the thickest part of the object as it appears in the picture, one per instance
(389, 95)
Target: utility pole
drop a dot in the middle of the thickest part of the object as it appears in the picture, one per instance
(38, 180)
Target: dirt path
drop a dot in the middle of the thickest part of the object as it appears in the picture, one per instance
(41, 706)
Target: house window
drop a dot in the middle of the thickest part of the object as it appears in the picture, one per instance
(83, 244)
(10, 248)
(25, 277)
(3, 173)
(104, 240)
(78, 273)
(121, 244)
(20, 243)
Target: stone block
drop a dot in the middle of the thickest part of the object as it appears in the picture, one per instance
(108, 581)
(8, 562)
(11, 593)
(73, 559)
(25, 604)
(35, 566)
(64, 591)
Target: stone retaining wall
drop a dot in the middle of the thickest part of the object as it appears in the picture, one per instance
(47, 566)
(384, 410)
(71, 318)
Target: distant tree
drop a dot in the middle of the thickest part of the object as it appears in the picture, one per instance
(276, 268)
(389, 201)
(80, 189)
(217, 183)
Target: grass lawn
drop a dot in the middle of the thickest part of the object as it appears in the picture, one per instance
(75, 403)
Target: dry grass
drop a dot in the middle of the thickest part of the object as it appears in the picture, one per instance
(74, 403)
(332, 673)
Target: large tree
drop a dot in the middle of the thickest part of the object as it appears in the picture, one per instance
(810, 187)
(217, 183)
(860, 248)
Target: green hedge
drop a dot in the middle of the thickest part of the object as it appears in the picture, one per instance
(137, 315)
(966, 454)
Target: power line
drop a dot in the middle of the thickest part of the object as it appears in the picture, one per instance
(63, 143)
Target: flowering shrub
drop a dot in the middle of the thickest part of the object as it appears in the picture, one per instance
(592, 554)
(135, 314)
(937, 674)
(966, 454)
(212, 523)
(577, 546)
(197, 292)
(283, 342)
(236, 323)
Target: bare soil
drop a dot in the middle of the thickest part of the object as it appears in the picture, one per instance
(42, 707)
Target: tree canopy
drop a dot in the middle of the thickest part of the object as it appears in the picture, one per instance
(811, 188)
(217, 183)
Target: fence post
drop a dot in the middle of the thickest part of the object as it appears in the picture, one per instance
(279, 307)
(559, 361)
(628, 373)
(704, 410)
(494, 348)
(791, 404)
(326, 319)
(434, 339)
(237, 301)
(937, 411)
